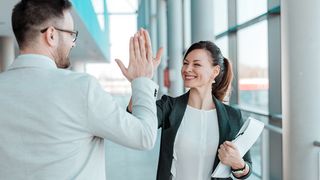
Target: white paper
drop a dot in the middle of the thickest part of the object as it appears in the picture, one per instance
(246, 137)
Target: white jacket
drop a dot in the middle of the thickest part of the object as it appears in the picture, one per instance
(53, 122)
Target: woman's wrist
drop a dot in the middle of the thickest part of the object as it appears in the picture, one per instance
(242, 172)
(238, 165)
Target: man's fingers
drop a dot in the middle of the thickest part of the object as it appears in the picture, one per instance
(159, 54)
(142, 48)
(137, 47)
(131, 49)
(123, 69)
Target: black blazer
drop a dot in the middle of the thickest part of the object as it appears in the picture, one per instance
(170, 112)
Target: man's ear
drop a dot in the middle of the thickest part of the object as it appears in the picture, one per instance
(51, 36)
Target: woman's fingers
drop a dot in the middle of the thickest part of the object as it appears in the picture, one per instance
(137, 47)
(131, 49)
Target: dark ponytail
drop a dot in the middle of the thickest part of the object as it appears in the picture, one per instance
(223, 81)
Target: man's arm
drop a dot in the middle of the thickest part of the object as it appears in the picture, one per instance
(139, 129)
(106, 119)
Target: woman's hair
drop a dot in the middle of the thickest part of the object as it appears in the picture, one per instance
(28, 16)
(223, 81)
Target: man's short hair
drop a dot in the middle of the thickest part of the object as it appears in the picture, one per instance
(28, 16)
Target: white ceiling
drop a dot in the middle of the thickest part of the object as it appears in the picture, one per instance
(86, 49)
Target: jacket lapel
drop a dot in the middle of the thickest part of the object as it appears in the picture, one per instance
(179, 110)
(223, 120)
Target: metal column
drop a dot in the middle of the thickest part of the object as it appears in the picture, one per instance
(175, 46)
(300, 40)
(6, 52)
(162, 42)
(202, 20)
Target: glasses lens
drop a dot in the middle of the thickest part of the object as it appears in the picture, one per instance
(74, 36)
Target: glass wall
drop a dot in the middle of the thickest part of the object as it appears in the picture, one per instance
(242, 32)
(220, 16)
(253, 66)
(249, 9)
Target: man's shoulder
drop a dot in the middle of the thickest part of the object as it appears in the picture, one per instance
(71, 76)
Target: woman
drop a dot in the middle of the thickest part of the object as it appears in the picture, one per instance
(197, 127)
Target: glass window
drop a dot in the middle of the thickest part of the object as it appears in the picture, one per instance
(98, 6)
(253, 66)
(222, 43)
(122, 6)
(220, 16)
(186, 24)
(249, 9)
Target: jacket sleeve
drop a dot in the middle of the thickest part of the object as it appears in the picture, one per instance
(164, 106)
(106, 119)
(247, 156)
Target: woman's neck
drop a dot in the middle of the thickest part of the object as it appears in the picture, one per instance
(201, 98)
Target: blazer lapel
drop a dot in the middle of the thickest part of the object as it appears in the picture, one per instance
(179, 110)
(223, 120)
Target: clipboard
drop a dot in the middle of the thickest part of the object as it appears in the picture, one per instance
(245, 138)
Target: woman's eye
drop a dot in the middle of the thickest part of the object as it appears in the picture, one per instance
(197, 64)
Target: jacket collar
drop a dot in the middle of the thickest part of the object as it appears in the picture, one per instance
(33, 60)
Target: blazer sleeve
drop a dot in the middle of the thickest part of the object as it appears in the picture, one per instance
(106, 119)
(164, 106)
(247, 156)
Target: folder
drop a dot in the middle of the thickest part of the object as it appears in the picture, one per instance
(246, 137)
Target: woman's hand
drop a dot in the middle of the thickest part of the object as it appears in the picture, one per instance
(229, 155)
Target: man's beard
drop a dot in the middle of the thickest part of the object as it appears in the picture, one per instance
(63, 60)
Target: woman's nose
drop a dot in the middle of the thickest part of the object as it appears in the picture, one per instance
(188, 68)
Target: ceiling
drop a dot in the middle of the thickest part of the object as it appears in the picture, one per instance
(86, 49)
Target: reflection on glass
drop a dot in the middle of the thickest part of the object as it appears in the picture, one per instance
(253, 66)
(249, 9)
(220, 16)
(256, 150)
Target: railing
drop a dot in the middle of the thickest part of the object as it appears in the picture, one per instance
(264, 114)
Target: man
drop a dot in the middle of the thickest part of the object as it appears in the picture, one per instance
(53, 121)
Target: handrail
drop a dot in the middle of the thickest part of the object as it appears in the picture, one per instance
(259, 113)
(273, 128)
(316, 143)
(264, 114)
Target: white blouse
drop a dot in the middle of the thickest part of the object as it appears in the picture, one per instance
(195, 145)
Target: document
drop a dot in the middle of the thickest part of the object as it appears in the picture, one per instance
(246, 137)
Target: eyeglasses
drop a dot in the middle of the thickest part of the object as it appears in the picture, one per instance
(74, 34)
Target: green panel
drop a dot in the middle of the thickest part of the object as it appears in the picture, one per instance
(86, 12)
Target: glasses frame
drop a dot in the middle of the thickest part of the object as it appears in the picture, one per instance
(62, 30)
